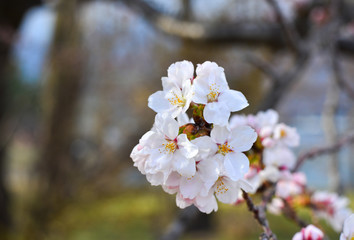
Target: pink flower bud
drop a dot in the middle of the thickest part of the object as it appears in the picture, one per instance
(309, 233)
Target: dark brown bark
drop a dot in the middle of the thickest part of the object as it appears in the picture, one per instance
(11, 14)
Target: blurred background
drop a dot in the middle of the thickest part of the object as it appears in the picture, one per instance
(75, 77)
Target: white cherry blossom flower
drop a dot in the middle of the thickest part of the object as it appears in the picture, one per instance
(331, 207)
(276, 206)
(228, 191)
(290, 184)
(348, 229)
(207, 172)
(177, 90)
(169, 151)
(230, 145)
(286, 135)
(309, 233)
(212, 90)
(256, 176)
(279, 156)
(266, 119)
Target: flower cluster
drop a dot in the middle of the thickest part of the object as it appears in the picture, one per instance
(331, 207)
(271, 156)
(210, 157)
(200, 159)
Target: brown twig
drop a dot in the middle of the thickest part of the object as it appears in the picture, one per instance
(346, 140)
(283, 82)
(291, 35)
(339, 77)
(290, 213)
(263, 66)
(259, 213)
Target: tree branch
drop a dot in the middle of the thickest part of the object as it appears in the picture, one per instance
(192, 30)
(291, 35)
(260, 215)
(290, 213)
(315, 152)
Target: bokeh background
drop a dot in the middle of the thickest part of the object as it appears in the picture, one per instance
(75, 78)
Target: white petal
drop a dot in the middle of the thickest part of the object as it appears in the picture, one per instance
(181, 202)
(217, 113)
(279, 156)
(184, 166)
(173, 180)
(207, 204)
(236, 165)
(167, 125)
(298, 236)
(348, 228)
(190, 187)
(212, 74)
(242, 138)
(186, 148)
(155, 179)
(168, 83)
(180, 72)
(219, 134)
(183, 119)
(226, 191)
(208, 171)
(234, 100)
(160, 161)
(245, 185)
(200, 92)
(158, 102)
(206, 146)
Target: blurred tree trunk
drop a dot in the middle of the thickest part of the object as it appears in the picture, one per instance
(11, 14)
(5, 220)
(60, 97)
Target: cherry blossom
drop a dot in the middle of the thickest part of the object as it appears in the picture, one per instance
(309, 233)
(162, 151)
(286, 135)
(290, 184)
(177, 90)
(276, 206)
(212, 90)
(331, 207)
(230, 145)
(348, 229)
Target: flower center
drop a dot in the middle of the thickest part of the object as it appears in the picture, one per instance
(170, 147)
(177, 101)
(220, 186)
(282, 133)
(213, 93)
(224, 149)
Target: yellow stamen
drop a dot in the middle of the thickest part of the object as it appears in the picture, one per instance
(220, 187)
(224, 149)
(170, 147)
(283, 133)
(213, 93)
(177, 101)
